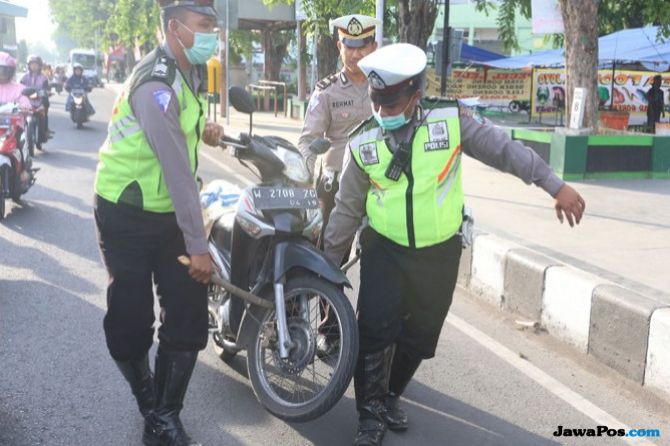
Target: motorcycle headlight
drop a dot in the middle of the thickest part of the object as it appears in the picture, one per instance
(294, 165)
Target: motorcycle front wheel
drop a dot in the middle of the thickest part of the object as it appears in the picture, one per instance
(31, 139)
(309, 382)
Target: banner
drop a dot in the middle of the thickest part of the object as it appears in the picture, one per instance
(493, 87)
(546, 17)
(627, 93)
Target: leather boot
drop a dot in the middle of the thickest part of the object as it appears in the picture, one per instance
(138, 374)
(371, 387)
(403, 367)
(163, 426)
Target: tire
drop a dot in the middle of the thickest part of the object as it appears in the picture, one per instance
(80, 125)
(514, 107)
(340, 377)
(4, 177)
(30, 137)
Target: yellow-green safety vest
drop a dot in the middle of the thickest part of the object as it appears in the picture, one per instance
(128, 170)
(424, 207)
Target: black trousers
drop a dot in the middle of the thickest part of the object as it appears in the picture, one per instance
(405, 293)
(140, 249)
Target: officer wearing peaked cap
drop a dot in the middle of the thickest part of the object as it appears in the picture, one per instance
(403, 169)
(339, 103)
(147, 212)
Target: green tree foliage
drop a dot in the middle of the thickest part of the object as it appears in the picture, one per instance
(131, 21)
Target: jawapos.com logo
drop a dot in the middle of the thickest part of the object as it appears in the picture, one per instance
(604, 431)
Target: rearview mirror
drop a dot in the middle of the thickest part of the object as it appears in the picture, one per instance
(319, 146)
(241, 100)
(28, 91)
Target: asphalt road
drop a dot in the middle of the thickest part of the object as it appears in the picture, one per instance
(490, 384)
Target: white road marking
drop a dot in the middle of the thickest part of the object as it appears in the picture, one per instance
(551, 384)
(228, 169)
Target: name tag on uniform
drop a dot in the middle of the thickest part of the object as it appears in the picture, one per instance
(438, 136)
(369, 154)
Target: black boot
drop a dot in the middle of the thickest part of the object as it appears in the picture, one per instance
(138, 374)
(163, 426)
(371, 387)
(403, 367)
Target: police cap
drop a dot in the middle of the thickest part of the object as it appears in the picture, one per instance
(355, 30)
(392, 70)
(205, 7)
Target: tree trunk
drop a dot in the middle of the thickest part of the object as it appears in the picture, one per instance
(416, 19)
(326, 55)
(275, 43)
(581, 55)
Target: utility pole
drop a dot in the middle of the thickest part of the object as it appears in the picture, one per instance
(379, 11)
(445, 50)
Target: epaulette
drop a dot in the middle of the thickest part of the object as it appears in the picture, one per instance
(327, 82)
(366, 125)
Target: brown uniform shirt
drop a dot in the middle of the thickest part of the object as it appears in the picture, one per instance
(336, 107)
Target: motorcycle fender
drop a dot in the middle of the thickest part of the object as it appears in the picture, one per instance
(5, 161)
(302, 254)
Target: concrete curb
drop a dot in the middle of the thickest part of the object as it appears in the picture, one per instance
(627, 331)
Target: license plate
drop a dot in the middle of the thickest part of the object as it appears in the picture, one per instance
(285, 198)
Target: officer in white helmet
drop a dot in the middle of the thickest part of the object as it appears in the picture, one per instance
(402, 168)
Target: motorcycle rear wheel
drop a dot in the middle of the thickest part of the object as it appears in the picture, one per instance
(305, 400)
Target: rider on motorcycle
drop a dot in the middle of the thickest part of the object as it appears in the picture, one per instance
(75, 82)
(35, 79)
(10, 90)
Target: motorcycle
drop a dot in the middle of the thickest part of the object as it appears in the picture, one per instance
(16, 172)
(274, 294)
(79, 111)
(35, 120)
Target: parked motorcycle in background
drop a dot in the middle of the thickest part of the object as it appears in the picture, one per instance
(16, 172)
(274, 292)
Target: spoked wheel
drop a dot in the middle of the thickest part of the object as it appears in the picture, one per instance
(306, 384)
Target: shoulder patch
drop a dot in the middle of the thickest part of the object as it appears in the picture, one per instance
(367, 124)
(162, 97)
(327, 82)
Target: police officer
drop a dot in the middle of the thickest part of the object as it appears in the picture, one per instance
(147, 213)
(403, 169)
(339, 103)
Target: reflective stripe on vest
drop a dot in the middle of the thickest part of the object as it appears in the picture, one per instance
(126, 156)
(424, 207)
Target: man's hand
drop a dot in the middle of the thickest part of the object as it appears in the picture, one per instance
(570, 203)
(212, 134)
(201, 268)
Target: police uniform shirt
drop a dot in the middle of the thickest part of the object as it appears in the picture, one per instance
(483, 142)
(156, 108)
(336, 107)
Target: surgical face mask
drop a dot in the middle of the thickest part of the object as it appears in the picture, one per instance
(391, 122)
(204, 46)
